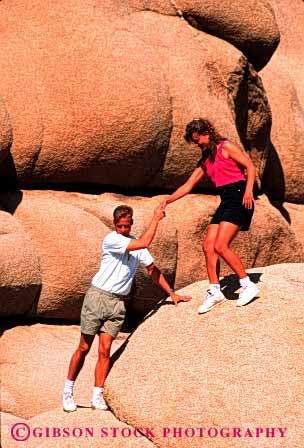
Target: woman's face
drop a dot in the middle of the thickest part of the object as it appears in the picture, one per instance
(201, 140)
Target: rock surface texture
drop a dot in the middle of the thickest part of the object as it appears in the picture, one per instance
(284, 86)
(84, 428)
(231, 368)
(94, 99)
(234, 367)
(34, 362)
(54, 241)
(100, 92)
(96, 95)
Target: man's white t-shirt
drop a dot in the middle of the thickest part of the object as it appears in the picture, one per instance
(118, 266)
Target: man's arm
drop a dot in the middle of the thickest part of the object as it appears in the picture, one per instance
(159, 279)
(147, 237)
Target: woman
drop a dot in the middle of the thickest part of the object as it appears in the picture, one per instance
(225, 164)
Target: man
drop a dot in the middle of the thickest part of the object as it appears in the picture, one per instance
(103, 309)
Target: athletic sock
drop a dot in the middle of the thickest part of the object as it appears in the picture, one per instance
(68, 386)
(215, 288)
(245, 281)
(97, 391)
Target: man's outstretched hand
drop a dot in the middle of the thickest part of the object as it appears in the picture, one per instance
(159, 211)
(177, 298)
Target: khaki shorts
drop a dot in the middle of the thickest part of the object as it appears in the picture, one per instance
(102, 312)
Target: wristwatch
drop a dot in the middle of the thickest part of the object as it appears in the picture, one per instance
(169, 291)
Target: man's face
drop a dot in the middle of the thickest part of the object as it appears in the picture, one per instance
(123, 226)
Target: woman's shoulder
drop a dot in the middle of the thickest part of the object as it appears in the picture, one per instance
(224, 146)
(224, 142)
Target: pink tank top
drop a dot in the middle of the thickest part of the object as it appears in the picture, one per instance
(224, 171)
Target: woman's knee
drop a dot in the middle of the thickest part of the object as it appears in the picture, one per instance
(208, 246)
(220, 247)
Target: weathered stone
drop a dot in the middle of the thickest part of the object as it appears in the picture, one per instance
(66, 232)
(20, 271)
(295, 213)
(184, 370)
(34, 363)
(5, 131)
(68, 243)
(81, 429)
(256, 35)
(283, 81)
(110, 105)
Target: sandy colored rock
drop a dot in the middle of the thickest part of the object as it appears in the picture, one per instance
(67, 243)
(20, 270)
(283, 82)
(295, 213)
(66, 232)
(84, 428)
(34, 363)
(110, 104)
(283, 176)
(5, 131)
(256, 35)
(233, 367)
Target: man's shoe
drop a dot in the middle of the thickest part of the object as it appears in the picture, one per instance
(99, 403)
(68, 402)
(248, 293)
(211, 301)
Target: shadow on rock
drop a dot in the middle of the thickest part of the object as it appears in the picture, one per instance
(230, 284)
(10, 201)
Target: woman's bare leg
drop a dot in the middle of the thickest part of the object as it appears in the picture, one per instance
(211, 256)
(227, 231)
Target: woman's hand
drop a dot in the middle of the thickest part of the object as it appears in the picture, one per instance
(164, 203)
(248, 199)
(159, 211)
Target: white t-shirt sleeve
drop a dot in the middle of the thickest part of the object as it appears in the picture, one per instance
(116, 243)
(145, 258)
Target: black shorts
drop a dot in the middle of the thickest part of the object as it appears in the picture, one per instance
(231, 208)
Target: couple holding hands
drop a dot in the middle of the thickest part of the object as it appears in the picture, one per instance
(103, 310)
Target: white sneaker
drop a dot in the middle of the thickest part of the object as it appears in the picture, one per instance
(99, 403)
(211, 301)
(247, 294)
(68, 402)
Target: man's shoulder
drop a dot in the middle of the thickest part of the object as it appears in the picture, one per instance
(110, 235)
(115, 240)
(114, 236)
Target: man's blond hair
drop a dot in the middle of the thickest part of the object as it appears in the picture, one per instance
(123, 211)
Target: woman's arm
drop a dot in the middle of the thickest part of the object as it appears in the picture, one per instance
(184, 189)
(241, 157)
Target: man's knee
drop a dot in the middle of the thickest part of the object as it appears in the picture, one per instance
(104, 346)
(85, 344)
(103, 353)
(83, 349)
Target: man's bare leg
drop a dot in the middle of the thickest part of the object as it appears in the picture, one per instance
(75, 366)
(101, 370)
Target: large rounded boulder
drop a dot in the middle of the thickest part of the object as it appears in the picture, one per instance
(220, 378)
(63, 233)
(106, 99)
